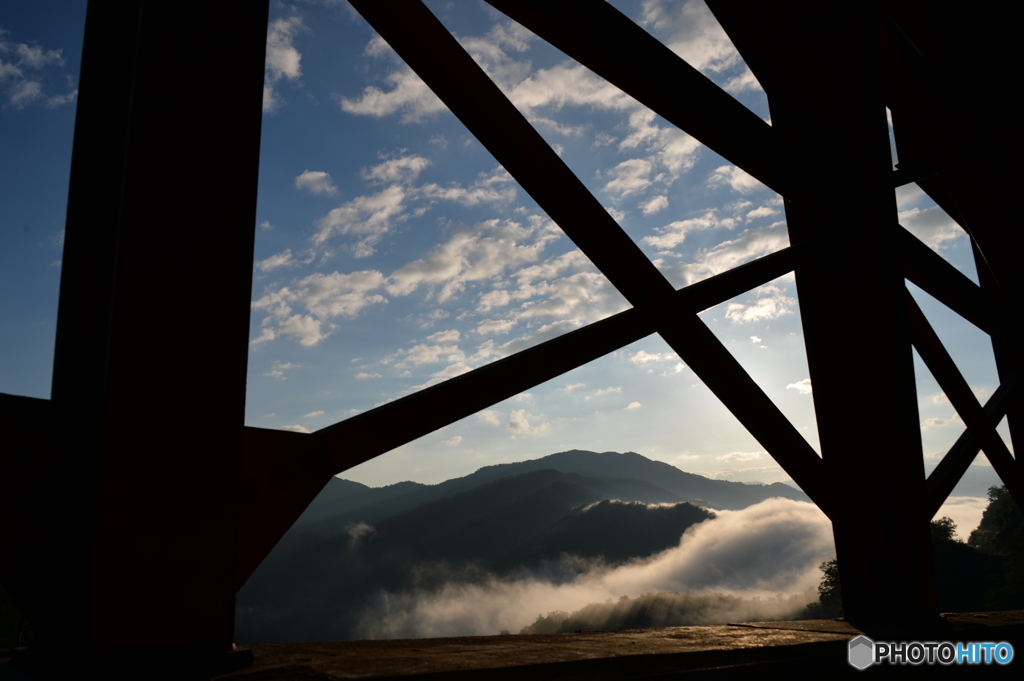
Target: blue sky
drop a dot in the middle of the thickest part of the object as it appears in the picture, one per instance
(392, 250)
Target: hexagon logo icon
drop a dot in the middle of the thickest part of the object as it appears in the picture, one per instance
(862, 652)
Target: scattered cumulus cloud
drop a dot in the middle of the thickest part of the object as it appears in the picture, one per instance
(23, 70)
(674, 233)
(932, 225)
(633, 405)
(490, 416)
(316, 182)
(739, 456)
(519, 423)
(803, 386)
(283, 60)
(761, 212)
(770, 302)
(654, 204)
(935, 422)
(278, 369)
(750, 244)
(601, 392)
(297, 428)
(642, 357)
(740, 180)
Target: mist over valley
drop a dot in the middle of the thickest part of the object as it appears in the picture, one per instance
(615, 539)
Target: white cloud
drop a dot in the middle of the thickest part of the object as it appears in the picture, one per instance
(629, 177)
(739, 456)
(932, 226)
(278, 368)
(449, 336)
(600, 392)
(737, 178)
(277, 261)
(770, 303)
(965, 512)
(450, 371)
(761, 212)
(490, 327)
(364, 376)
(452, 441)
(771, 548)
(490, 416)
(674, 233)
(297, 428)
(283, 60)
(303, 328)
(493, 298)
(909, 195)
(642, 357)
(615, 213)
(24, 93)
(750, 244)
(487, 189)
(755, 339)
(745, 82)
(564, 85)
(408, 94)
(403, 169)
(940, 398)
(803, 386)
(519, 423)
(313, 414)
(21, 77)
(569, 387)
(693, 33)
(324, 295)
(480, 253)
(935, 422)
(633, 405)
(369, 217)
(573, 260)
(654, 205)
(316, 182)
(425, 354)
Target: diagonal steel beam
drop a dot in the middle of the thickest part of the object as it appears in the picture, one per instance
(934, 275)
(284, 471)
(615, 48)
(431, 51)
(958, 459)
(963, 400)
(366, 435)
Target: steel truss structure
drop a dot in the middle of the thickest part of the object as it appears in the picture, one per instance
(135, 503)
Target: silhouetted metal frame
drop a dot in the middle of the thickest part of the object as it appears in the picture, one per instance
(281, 472)
(697, 106)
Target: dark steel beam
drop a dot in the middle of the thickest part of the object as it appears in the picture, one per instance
(611, 45)
(821, 79)
(420, 39)
(963, 400)
(951, 287)
(958, 459)
(278, 483)
(152, 336)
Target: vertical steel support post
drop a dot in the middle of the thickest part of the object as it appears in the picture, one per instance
(854, 318)
(826, 94)
(151, 351)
